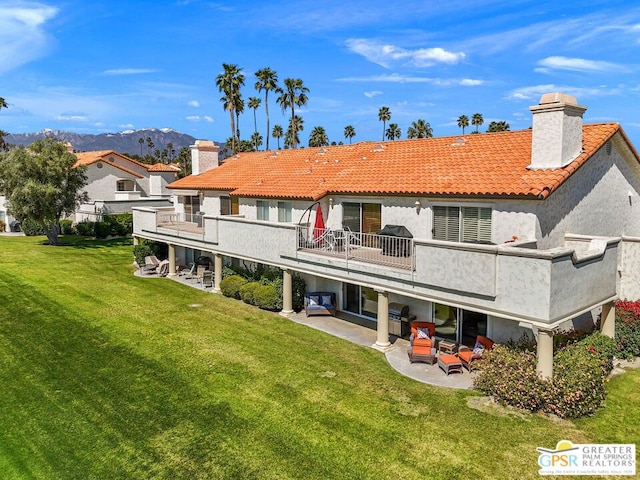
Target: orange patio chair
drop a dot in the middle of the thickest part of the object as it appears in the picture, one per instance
(468, 356)
(423, 334)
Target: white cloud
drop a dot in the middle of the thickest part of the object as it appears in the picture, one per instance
(372, 93)
(385, 55)
(469, 82)
(128, 71)
(198, 118)
(72, 117)
(193, 103)
(126, 125)
(22, 35)
(391, 78)
(536, 91)
(577, 65)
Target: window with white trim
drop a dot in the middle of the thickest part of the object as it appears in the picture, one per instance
(462, 224)
(284, 212)
(125, 186)
(262, 210)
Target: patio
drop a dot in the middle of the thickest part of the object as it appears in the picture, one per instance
(344, 326)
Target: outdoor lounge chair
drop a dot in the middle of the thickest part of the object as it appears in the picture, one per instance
(163, 269)
(151, 260)
(199, 273)
(320, 303)
(468, 356)
(423, 334)
(207, 279)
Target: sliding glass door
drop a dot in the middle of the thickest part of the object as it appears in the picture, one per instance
(361, 301)
(362, 217)
(462, 326)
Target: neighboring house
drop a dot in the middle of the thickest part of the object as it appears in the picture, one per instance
(5, 218)
(522, 232)
(116, 183)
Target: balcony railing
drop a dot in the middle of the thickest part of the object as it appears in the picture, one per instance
(397, 252)
(182, 222)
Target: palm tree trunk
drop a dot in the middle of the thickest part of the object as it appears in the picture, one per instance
(266, 109)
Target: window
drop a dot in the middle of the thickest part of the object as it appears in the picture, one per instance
(284, 212)
(125, 186)
(462, 224)
(362, 217)
(262, 210)
(229, 206)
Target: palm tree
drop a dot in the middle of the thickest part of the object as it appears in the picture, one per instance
(170, 150)
(393, 132)
(150, 146)
(141, 142)
(254, 102)
(384, 115)
(239, 110)
(291, 139)
(420, 129)
(293, 94)
(229, 83)
(277, 133)
(477, 120)
(3, 103)
(500, 126)
(349, 132)
(463, 121)
(318, 137)
(267, 81)
(256, 140)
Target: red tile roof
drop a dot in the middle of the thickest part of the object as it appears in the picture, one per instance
(89, 158)
(489, 164)
(161, 167)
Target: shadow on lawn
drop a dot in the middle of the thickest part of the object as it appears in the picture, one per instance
(88, 242)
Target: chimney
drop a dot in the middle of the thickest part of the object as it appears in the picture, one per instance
(204, 156)
(557, 131)
(69, 147)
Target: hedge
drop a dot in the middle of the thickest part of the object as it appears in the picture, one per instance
(628, 329)
(247, 292)
(230, 286)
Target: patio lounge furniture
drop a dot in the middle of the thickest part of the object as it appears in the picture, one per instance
(418, 353)
(423, 334)
(320, 303)
(468, 356)
(207, 279)
(450, 364)
(151, 260)
(163, 269)
(199, 273)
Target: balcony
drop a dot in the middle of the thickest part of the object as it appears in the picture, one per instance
(511, 280)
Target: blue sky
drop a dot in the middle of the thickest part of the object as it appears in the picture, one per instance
(108, 66)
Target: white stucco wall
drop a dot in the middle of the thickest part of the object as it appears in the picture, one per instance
(102, 182)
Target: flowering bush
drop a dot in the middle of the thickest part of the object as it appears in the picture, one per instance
(628, 329)
(577, 386)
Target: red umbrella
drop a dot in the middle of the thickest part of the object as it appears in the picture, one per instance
(318, 226)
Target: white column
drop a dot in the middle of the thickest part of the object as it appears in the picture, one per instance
(608, 320)
(383, 320)
(287, 292)
(172, 260)
(545, 354)
(217, 272)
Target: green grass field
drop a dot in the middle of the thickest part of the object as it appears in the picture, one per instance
(104, 375)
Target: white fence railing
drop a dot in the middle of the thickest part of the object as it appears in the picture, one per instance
(363, 247)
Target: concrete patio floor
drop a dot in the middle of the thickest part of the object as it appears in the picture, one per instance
(346, 329)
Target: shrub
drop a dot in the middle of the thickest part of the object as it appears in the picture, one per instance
(101, 229)
(140, 251)
(247, 292)
(577, 386)
(32, 228)
(628, 329)
(66, 227)
(299, 287)
(120, 225)
(230, 286)
(85, 229)
(267, 298)
(3, 226)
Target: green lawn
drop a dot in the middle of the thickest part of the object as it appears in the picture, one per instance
(105, 375)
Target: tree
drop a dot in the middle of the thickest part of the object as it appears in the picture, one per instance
(229, 83)
(150, 146)
(277, 133)
(393, 132)
(318, 137)
(477, 120)
(239, 110)
(267, 81)
(294, 93)
(3, 145)
(170, 151)
(349, 132)
(254, 102)
(420, 129)
(463, 121)
(256, 140)
(296, 125)
(500, 126)
(184, 160)
(384, 115)
(41, 183)
(141, 142)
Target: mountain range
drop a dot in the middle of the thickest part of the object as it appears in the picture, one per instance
(122, 142)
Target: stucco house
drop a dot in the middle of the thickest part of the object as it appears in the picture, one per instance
(5, 218)
(116, 183)
(511, 233)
